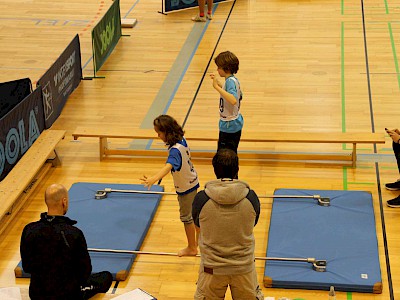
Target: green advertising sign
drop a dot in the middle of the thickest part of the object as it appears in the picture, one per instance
(105, 35)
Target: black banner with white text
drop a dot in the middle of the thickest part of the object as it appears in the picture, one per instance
(19, 129)
(60, 81)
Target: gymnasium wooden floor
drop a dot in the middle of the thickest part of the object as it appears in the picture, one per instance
(305, 66)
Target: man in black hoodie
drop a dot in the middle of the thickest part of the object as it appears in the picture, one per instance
(55, 253)
(226, 213)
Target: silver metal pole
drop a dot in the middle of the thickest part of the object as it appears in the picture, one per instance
(318, 265)
(311, 260)
(109, 190)
(103, 193)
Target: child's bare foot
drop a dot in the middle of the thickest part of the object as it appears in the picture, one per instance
(187, 252)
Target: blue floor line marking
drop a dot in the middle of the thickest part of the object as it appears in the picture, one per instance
(174, 78)
(175, 75)
(185, 69)
(85, 65)
(196, 46)
(208, 64)
(129, 11)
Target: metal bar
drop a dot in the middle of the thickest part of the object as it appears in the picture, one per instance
(134, 252)
(311, 260)
(110, 190)
(102, 194)
(290, 196)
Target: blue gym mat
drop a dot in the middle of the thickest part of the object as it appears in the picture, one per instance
(343, 234)
(118, 222)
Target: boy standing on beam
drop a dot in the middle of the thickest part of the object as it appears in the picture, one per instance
(230, 96)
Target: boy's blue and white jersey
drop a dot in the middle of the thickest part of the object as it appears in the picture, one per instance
(184, 175)
(231, 119)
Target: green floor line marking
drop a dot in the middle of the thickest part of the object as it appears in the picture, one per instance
(343, 97)
(349, 296)
(396, 63)
(386, 7)
(342, 80)
(342, 7)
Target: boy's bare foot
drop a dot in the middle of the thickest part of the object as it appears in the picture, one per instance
(187, 252)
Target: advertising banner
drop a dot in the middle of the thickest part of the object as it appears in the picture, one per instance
(12, 93)
(19, 129)
(105, 35)
(60, 81)
(173, 5)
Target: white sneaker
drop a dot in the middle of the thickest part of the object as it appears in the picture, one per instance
(197, 18)
(209, 16)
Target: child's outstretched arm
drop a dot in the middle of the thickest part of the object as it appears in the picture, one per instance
(149, 181)
(217, 85)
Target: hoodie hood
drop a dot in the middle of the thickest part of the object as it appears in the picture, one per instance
(227, 191)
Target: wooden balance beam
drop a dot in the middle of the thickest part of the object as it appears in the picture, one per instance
(104, 134)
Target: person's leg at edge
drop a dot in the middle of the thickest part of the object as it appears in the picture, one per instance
(201, 16)
(191, 249)
(185, 211)
(228, 141)
(202, 4)
(396, 150)
(395, 186)
(236, 139)
(209, 9)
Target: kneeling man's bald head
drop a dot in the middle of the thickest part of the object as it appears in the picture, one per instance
(56, 198)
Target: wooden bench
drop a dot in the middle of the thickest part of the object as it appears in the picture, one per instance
(104, 134)
(17, 186)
